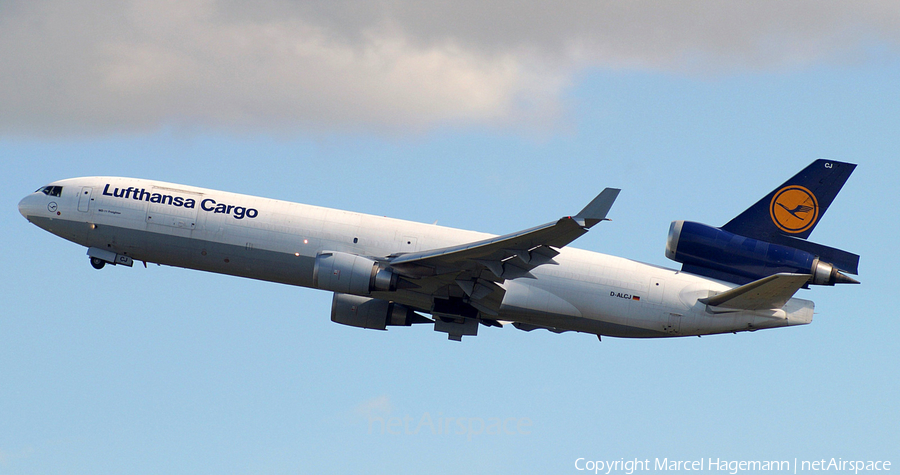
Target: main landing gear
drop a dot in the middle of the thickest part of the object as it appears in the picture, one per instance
(97, 263)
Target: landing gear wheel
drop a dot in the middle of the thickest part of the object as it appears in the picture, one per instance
(97, 263)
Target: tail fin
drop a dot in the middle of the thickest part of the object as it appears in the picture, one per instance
(794, 208)
(789, 213)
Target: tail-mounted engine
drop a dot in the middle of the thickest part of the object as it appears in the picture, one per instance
(727, 256)
(351, 274)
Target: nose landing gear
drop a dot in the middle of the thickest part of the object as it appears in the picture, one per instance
(101, 257)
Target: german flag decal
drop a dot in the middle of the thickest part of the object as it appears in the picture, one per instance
(625, 296)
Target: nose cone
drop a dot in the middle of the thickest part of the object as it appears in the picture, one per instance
(28, 205)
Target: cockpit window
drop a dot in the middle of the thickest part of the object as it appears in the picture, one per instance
(51, 190)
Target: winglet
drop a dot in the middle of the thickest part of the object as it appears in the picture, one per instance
(597, 209)
(768, 293)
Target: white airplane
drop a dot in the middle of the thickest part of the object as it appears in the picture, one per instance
(383, 271)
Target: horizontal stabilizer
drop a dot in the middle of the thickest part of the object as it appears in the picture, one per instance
(768, 293)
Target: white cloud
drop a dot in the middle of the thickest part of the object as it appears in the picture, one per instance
(70, 67)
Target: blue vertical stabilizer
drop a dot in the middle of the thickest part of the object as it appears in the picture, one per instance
(792, 210)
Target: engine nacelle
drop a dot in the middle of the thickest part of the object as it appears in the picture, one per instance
(377, 314)
(703, 246)
(351, 274)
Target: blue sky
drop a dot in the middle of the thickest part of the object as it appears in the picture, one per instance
(170, 370)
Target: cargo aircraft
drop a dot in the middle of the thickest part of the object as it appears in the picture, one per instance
(385, 272)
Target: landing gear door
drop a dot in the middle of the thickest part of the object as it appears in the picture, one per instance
(84, 199)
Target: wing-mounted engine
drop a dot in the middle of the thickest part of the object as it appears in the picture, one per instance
(352, 274)
(377, 314)
(723, 255)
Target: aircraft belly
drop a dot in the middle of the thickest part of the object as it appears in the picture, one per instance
(190, 253)
(633, 301)
(70, 230)
(574, 306)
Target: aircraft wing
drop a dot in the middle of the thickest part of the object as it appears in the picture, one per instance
(477, 267)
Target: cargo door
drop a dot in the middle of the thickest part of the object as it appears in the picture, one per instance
(173, 208)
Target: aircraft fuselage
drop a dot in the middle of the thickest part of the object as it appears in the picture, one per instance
(278, 241)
